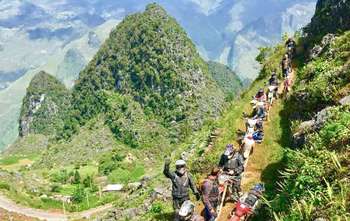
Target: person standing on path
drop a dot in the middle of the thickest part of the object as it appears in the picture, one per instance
(286, 65)
(232, 164)
(211, 194)
(182, 181)
(247, 146)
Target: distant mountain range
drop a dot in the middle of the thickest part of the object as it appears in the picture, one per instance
(39, 34)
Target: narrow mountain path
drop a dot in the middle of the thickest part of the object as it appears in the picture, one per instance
(265, 155)
(265, 160)
(11, 206)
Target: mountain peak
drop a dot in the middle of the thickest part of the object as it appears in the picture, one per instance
(44, 102)
(150, 59)
(156, 9)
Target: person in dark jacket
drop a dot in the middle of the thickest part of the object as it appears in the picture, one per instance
(232, 163)
(211, 194)
(273, 81)
(182, 181)
(286, 65)
(290, 43)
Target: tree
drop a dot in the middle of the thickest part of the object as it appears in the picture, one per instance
(76, 177)
(79, 194)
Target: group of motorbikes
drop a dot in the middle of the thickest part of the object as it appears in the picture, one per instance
(243, 210)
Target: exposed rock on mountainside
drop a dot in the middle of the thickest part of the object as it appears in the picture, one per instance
(93, 41)
(321, 24)
(43, 105)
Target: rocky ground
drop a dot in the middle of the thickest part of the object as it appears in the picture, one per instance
(8, 216)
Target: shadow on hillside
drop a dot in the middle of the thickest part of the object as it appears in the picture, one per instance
(270, 175)
(286, 137)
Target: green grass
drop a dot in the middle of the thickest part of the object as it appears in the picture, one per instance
(127, 175)
(9, 160)
(67, 189)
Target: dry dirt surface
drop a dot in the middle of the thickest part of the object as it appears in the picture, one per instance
(9, 216)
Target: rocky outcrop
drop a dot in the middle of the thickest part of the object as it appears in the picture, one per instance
(93, 40)
(317, 50)
(331, 16)
(34, 106)
(345, 100)
(299, 137)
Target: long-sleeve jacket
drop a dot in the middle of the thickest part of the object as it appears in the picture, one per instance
(211, 194)
(285, 63)
(236, 163)
(180, 184)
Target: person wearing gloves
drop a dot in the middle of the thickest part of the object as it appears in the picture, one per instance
(181, 181)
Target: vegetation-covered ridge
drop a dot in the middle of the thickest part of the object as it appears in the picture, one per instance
(43, 106)
(149, 59)
(331, 16)
(227, 80)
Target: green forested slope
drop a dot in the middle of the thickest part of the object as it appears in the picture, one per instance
(228, 80)
(43, 106)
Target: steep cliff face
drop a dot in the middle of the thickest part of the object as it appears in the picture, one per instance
(331, 16)
(43, 105)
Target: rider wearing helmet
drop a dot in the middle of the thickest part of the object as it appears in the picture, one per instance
(182, 181)
(290, 43)
(260, 96)
(232, 163)
(273, 81)
(285, 64)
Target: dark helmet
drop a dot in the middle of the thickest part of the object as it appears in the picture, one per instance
(261, 90)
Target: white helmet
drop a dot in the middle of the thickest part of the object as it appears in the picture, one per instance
(186, 210)
(180, 163)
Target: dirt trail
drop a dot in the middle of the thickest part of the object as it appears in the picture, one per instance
(11, 206)
(260, 157)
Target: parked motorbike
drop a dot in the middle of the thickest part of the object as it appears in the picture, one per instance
(241, 212)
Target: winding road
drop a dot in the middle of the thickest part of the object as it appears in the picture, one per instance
(11, 206)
